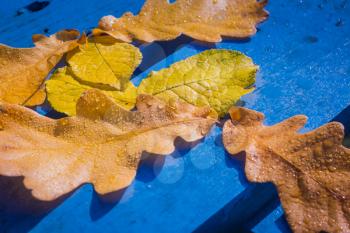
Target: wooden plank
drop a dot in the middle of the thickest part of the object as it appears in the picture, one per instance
(303, 52)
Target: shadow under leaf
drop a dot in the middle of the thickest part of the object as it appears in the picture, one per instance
(17, 202)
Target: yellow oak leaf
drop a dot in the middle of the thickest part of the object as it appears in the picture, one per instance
(104, 61)
(23, 70)
(311, 171)
(63, 91)
(217, 78)
(102, 145)
(206, 20)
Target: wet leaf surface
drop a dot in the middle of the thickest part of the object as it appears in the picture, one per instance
(23, 70)
(311, 171)
(205, 20)
(215, 78)
(64, 90)
(102, 145)
(103, 64)
(104, 61)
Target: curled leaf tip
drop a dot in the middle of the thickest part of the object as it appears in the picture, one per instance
(245, 116)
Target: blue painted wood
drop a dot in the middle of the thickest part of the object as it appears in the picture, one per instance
(272, 223)
(303, 52)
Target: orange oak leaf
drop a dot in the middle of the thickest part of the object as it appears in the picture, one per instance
(311, 171)
(205, 20)
(23, 70)
(101, 145)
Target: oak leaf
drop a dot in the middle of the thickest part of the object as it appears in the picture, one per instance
(205, 20)
(102, 145)
(104, 61)
(217, 78)
(23, 70)
(64, 90)
(311, 171)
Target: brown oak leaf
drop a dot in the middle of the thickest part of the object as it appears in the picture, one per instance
(23, 70)
(101, 145)
(311, 171)
(205, 20)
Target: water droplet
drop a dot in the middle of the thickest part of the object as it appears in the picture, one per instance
(172, 104)
(63, 122)
(339, 22)
(203, 131)
(317, 151)
(153, 72)
(332, 168)
(327, 143)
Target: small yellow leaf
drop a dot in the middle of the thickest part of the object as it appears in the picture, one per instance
(206, 20)
(217, 78)
(64, 91)
(104, 61)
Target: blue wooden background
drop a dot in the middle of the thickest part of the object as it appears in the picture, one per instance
(303, 50)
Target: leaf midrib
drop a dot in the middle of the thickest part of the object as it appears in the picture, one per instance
(301, 171)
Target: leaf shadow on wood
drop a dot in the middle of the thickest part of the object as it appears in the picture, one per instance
(237, 163)
(156, 52)
(282, 224)
(17, 202)
(148, 169)
(245, 210)
(237, 40)
(102, 204)
(151, 164)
